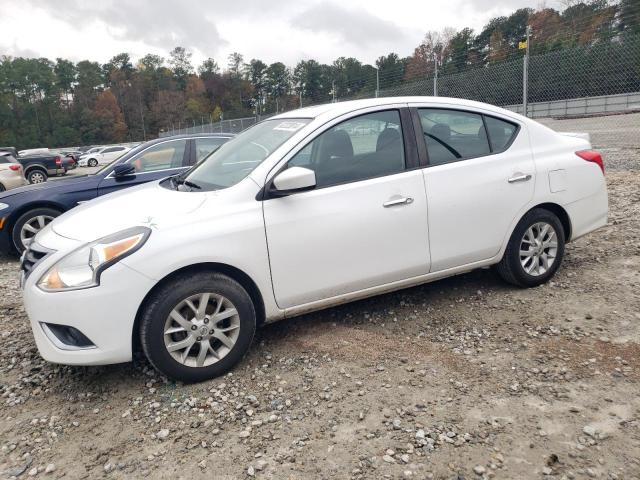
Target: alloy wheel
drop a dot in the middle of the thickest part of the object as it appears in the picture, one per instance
(538, 248)
(201, 329)
(32, 227)
(36, 177)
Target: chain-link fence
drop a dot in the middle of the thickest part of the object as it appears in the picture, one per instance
(593, 88)
(224, 126)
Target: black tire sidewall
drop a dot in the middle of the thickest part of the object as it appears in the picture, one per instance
(36, 171)
(166, 298)
(534, 216)
(15, 232)
(92, 162)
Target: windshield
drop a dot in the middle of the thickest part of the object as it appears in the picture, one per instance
(237, 158)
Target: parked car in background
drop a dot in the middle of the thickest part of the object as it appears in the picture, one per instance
(306, 210)
(91, 154)
(11, 150)
(10, 172)
(38, 167)
(24, 211)
(105, 156)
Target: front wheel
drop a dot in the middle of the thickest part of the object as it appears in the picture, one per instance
(535, 250)
(29, 224)
(198, 326)
(92, 162)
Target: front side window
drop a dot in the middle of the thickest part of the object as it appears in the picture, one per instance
(237, 158)
(453, 135)
(363, 147)
(162, 156)
(204, 146)
(113, 149)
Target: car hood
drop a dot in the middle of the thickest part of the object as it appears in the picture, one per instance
(150, 205)
(50, 185)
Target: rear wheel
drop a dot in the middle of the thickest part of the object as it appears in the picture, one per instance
(37, 176)
(198, 326)
(2, 188)
(535, 250)
(29, 224)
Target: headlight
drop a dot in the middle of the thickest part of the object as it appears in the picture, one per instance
(3, 206)
(82, 267)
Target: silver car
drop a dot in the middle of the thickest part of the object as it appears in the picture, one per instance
(11, 175)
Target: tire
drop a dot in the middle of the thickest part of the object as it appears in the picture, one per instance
(37, 175)
(158, 317)
(92, 162)
(532, 270)
(35, 218)
(2, 188)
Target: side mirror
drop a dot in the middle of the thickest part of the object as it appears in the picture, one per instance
(294, 179)
(124, 170)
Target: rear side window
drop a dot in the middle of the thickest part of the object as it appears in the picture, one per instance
(204, 146)
(500, 133)
(452, 135)
(362, 147)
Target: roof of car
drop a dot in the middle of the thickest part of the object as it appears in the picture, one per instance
(338, 108)
(196, 135)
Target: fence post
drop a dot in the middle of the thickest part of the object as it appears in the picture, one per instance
(525, 75)
(435, 77)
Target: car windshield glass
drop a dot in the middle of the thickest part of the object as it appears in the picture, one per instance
(237, 158)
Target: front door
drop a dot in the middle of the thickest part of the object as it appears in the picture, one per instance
(365, 223)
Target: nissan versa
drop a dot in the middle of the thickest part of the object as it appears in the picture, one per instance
(303, 211)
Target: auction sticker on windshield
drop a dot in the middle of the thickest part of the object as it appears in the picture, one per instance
(289, 126)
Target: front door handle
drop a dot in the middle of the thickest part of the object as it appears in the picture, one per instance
(520, 177)
(397, 201)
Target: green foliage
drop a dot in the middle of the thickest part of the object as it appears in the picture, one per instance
(592, 47)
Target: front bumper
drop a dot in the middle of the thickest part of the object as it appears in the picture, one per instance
(104, 314)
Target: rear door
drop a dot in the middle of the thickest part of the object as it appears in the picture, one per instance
(480, 175)
(153, 163)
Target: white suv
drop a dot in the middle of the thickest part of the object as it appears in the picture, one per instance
(303, 211)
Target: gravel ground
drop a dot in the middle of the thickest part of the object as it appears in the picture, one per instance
(462, 378)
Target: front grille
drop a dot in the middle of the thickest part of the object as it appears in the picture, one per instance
(31, 256)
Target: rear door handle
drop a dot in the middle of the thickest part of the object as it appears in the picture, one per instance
(397, 201)
(520, 178)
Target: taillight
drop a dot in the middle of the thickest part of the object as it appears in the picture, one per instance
(14, 167)
(58, 161)
(592, 156)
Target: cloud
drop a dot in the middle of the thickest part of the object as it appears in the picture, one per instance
(158, 23)
(357, 27)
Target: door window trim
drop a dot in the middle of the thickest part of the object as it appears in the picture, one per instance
(411, 156)
(422, 144)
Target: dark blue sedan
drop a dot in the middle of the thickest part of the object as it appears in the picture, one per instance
(25, 211)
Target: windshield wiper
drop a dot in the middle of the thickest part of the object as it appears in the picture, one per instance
(182, 181)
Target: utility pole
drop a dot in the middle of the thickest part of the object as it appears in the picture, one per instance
(435, 77)
(377, 81)
(333, 91)
(525, 74)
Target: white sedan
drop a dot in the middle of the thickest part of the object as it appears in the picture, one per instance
(102, 156)
(303, 211)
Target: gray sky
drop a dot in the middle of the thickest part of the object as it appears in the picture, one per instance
(275, 30)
